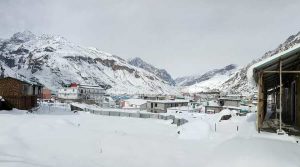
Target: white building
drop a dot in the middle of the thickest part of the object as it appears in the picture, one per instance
(81, 93)
(140, 104)
(69, 93)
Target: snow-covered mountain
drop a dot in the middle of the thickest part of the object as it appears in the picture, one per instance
(194, 79)
(161, 73)
(240, 82)
(235, 81)
(54, 61)
(208, 81)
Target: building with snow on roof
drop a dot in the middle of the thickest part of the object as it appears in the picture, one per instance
(81, 93)
(231, 102)
(139, 104)
(161, 106)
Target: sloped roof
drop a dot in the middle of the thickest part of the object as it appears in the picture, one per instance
(289, 58)
(25, 81)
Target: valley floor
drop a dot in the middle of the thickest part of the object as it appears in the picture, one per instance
(62, 138)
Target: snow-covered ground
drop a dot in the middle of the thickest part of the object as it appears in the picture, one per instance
(55, 136)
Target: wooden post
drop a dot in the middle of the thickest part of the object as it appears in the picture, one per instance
(260, 107)
(280, 97)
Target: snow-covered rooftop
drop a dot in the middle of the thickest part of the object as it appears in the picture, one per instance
(136, 101)
(268, 63)
(91, 87)
(168, 101)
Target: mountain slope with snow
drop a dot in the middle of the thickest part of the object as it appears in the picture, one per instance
(208, 81)
(236, 82)
(161, 73)
(240, 83)
(54, 61)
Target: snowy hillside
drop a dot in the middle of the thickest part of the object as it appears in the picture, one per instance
(209, 81)
(54, 61)
(233, 80)
(161, 73)
(239, 83)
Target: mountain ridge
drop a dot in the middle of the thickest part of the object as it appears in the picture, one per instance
(162, 73)
(53, 61)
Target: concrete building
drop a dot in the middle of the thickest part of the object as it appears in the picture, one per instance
(139, 104)
(86, 93)
(153, 97)
(160, 106)
(213, 109)
(106, 101)
(90, 92)
(229, 101)
(68, 94)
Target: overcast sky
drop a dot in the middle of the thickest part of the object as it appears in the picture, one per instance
(183, 36)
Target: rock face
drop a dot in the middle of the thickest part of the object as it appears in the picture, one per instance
(161, 73)
(240, 82)
(54, 61)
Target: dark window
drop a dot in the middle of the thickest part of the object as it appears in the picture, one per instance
(155, 104)
(221, 102)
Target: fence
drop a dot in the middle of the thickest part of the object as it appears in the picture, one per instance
(177, 121)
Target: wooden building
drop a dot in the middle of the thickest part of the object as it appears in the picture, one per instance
(277, 77)
(20, 94)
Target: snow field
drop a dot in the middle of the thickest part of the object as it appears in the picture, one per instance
(62, 138)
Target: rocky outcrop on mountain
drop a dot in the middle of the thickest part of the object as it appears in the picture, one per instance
(161, 73)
